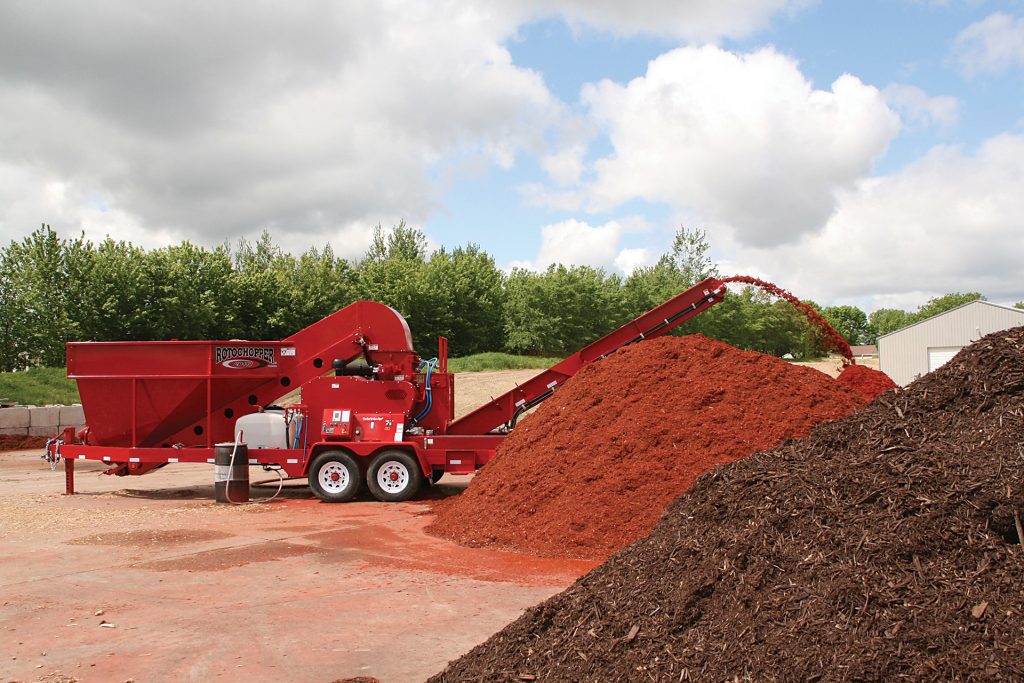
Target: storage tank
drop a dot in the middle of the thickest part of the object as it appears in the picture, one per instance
(263, 430)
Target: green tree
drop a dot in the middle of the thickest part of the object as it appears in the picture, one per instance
(691, 255)
(42, 276)
(465, 301)
(528, 328)
(560, 310)
(403, 243)
(944, 303)
(886, 320)
(850, 322)
(190, 294)
(117, 290)
(393, 273)
(12, 313)
(687, 263)
(258, 295)
(650, 286)
(752, 320)
(319, 283)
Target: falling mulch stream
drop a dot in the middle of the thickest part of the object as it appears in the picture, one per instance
(829, 335)
(884, 546)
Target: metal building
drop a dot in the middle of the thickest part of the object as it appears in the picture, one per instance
(917, 349)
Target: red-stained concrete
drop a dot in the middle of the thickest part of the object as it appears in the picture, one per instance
(295, 590)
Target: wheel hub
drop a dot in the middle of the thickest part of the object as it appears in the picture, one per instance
(333, 477)
(393, 477)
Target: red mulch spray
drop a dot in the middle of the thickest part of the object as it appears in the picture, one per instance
(832, 339)
(868, 381)
(593, 469)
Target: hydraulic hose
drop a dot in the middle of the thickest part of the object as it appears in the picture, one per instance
(427, 391)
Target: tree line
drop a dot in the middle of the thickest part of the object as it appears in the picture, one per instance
(54, 290)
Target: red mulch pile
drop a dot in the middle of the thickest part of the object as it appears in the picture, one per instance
(868, 381)
(10, 442)
(885, 546)
(593, 469)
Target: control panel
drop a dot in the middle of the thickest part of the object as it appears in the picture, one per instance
(337, 424)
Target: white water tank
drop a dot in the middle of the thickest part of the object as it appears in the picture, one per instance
(263, 430)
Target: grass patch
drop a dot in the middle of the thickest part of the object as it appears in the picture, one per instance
(499, 361)
(38, 386)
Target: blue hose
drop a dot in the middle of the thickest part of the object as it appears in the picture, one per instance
(299, 424)
(428, 392)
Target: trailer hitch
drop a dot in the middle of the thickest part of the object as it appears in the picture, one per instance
(53, 458)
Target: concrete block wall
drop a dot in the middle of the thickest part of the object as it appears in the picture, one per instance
(40, 420)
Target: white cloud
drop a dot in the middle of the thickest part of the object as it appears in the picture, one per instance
(918, 108)
(566, 165)
(948, 222)
(312, 120)
(992, 45)
(629, 260)
(741, 139)
(574, 242)
(578, 243)
(695, 20)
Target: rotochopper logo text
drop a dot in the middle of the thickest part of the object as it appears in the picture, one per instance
(244, 357)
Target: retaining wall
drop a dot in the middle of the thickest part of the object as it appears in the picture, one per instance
(40, 420)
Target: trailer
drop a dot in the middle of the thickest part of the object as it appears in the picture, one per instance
(371, 409)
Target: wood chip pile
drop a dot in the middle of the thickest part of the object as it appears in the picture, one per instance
(884, 546)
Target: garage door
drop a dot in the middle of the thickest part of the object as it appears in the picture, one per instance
(940, 355)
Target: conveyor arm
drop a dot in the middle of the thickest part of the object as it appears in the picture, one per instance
(506, 408)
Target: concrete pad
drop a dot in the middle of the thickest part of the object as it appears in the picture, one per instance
(13, 418)
(45, 416)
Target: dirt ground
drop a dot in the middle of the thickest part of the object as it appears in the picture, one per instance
(147, 579)
(833, 366)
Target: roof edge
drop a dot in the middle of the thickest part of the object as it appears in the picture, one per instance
(932, 317)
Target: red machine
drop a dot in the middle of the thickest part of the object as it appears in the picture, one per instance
(371, 409)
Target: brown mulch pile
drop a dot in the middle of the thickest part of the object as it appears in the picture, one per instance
(884, 546)
(10, 442)
(593, 469)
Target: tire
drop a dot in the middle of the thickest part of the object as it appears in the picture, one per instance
(394, 476)
(334, 477)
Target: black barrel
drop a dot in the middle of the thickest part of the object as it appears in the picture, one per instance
(231, 483)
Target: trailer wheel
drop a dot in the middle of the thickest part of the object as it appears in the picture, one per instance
(394, 476)
(334, 477)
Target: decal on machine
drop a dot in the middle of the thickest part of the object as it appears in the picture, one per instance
(245, 357)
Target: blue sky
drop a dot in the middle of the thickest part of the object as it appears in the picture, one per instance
(869, 153)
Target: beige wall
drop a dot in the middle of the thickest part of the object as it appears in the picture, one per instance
(903, 354)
